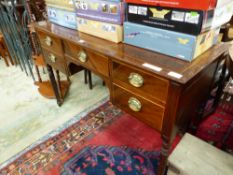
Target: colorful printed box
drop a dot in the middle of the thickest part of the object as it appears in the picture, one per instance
(111, 32)
(180, 20)
(222, 15)
(184, 4)
(100, 10)
(183, 46)
(61, 4)
(62, 17)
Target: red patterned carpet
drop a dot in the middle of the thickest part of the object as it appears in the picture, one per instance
(106, 141)
(217, 128)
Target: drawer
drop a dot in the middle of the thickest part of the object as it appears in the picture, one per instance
(56, 61)
(149, 113)
(50, 43)
(89, 59)
(151, 87)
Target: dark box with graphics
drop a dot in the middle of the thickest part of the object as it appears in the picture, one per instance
(180, 20)
(184, 4)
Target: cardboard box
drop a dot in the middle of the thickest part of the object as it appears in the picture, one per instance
(180, 20)
(115, 0)
(100, 10)
(61, 4)
(111, 32)
(62, 17)
(184, 4)
(222, 15)
(183, 46)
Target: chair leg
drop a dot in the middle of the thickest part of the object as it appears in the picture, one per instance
(90, 79)
(85, 76)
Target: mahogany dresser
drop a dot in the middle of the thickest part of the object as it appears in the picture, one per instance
(161, 91)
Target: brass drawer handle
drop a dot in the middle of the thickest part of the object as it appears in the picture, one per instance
(52, 58)
(48, 41)
(134, 104)
(136, 79)
(82, 56)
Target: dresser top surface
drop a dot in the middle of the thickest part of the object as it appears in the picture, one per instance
(168, 67)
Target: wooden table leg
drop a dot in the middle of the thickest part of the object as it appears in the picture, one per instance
(90, 79)
(59, 83)
(164, 156)
(5, 60)
(54, 84)
(38, 74)
(85, 76)
(11, 60)
(168, 131)
(3, 55)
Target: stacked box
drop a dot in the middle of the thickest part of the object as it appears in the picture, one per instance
(62, 12)
(61, 4)
(99, 10)
(111, 32)
(179, 45)
(62, 17)
(222, 15)
(100, 18)
(179, 28)
(184, 4)
(181, 20)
